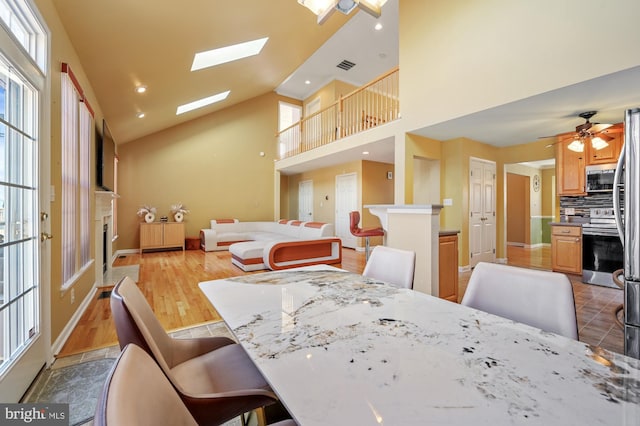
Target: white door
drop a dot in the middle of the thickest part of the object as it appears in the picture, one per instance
(22, 331)
(305, 201)
(482, 211)
(346, 201)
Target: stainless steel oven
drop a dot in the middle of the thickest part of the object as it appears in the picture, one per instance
(602, 251)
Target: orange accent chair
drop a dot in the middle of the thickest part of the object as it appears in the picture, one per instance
(354, 218)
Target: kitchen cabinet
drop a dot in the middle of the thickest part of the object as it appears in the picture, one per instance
(566, 249)
(610, 153)
(570, 169)
(160, 235)
(448, 266)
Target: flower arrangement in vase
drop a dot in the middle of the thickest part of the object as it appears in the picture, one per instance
(148, 212)
(178, 211)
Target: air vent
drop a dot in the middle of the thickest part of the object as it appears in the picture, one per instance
(346, 65)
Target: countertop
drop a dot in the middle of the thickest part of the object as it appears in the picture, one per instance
(341, 349)
(566, 224)
(447, 232)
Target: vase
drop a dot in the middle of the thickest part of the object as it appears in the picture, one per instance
(178, 217)
(149, 217)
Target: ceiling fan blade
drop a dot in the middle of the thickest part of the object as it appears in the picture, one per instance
(598, 127)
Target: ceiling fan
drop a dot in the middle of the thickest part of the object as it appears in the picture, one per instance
(595, 133)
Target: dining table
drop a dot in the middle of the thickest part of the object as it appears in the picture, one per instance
(339, 348)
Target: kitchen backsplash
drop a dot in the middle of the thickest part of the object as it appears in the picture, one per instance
(581, 205)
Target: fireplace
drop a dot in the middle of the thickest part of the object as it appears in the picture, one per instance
(103, 234)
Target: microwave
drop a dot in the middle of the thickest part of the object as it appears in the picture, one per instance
(600, 177)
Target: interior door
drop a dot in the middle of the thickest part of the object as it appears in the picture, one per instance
(346, 201)
(22, 331)
(482, 208)
(305, 201)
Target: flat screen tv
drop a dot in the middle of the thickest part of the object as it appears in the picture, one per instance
(105, 159)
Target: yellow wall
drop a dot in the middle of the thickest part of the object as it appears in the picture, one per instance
(62, 309)
(324, 185)
(419, 146)
(328, 94)
(211, 164)
(460, 57)
(374, 188)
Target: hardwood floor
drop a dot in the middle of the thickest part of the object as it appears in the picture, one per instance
(170, 280)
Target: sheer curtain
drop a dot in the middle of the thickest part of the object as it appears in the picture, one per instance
(77, 125)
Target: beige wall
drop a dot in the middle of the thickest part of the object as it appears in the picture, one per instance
(374, 188)
(460, 57)
(211, 164)
(328, 94)
(547, 188)
(62, 309)
(324, 185)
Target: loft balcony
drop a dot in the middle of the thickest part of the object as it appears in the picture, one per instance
(374, 104)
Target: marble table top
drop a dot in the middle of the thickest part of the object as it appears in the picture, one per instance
(339, 349)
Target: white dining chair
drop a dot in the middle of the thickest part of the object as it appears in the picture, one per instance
(541, 299)
(391, 265)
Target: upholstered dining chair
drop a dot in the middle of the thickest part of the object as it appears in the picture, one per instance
(542, 299)
(214, 376)
(391, 265)
(137, 393)
(354, 220)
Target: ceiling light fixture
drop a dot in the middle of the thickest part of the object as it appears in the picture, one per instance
(598, 142)
(307, 82)
(325, 8)
(141, 89)
(222, 55)
(202, 102)
(378, 26)
(140, 115)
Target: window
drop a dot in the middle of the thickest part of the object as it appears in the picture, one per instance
(22, 22)
(77, 125)
(288, 115)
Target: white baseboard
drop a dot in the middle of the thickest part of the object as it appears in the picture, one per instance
(464, 268)
(502, 260)
(56, 347)
(126, 251)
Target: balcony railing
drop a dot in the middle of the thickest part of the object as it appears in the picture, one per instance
(369, 106)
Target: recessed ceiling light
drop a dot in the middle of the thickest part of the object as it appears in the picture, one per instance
(141, 89)
(202, 102)
(140, 115)
(378, 26)
(365, 152)
(307, 82)
(226, 54)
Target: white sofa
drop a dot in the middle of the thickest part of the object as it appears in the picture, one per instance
(273, 245)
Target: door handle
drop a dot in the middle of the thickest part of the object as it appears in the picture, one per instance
(45, 236)
(44, 216)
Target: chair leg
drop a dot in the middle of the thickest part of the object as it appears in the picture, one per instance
(366, 248)
(262, 416)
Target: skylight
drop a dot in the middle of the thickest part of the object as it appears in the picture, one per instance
(202, 102)
(226, 54)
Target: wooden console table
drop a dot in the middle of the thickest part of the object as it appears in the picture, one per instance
(160, 235)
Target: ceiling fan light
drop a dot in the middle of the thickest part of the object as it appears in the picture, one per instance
(576, 146)
(598, 143)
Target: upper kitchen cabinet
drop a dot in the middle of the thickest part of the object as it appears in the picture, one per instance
(570, 168)
(611, 152)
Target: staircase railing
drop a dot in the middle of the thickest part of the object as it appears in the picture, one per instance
(369, 106)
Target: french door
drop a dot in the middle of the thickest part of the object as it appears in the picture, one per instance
(22, 345)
